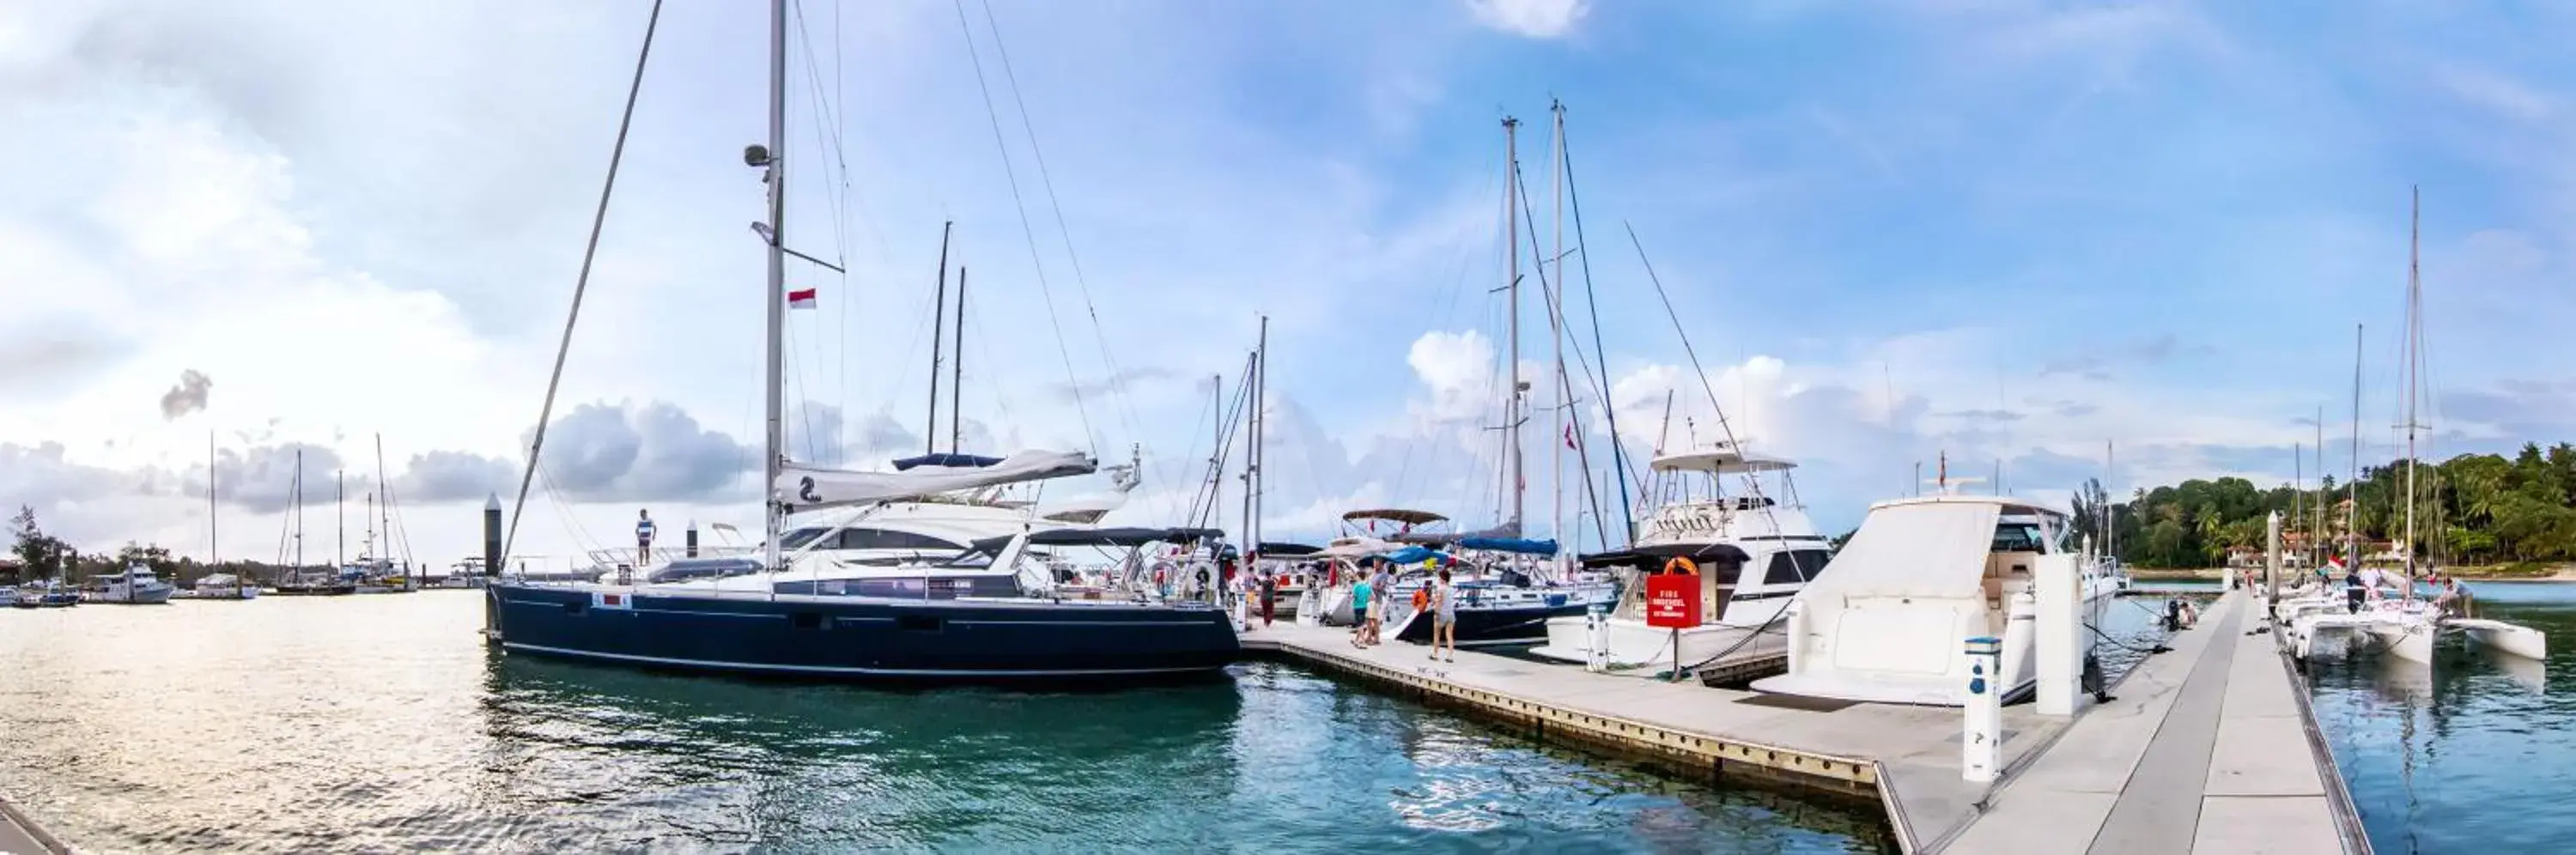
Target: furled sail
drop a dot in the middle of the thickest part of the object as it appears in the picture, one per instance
(811, 487)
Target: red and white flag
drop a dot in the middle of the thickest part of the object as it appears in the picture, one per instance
(800, 299)
(1569, 437)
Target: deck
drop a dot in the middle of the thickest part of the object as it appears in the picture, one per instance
(20, 835)
(2205, 748)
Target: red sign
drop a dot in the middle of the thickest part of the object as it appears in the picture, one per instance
(1672, 601)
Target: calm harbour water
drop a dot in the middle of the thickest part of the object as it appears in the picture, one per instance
(2474, 754)
(381, 723)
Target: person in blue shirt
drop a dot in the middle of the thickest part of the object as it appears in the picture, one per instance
(1360, 593)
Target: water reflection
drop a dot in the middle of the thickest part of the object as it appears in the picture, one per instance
(2469, 753)
(382, 724)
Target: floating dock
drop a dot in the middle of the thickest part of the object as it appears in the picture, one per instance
(2209, 747)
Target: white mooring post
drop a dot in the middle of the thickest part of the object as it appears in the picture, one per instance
(2061, 664)
(2272, 557)
(1596, 636)
(1981, 748)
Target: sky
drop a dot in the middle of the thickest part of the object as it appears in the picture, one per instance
(2004, 233)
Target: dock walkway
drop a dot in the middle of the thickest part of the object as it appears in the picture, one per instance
(2203, 748)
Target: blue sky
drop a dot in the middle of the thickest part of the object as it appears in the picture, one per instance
(1995, 229)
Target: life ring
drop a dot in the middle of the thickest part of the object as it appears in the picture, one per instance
(1679, 564)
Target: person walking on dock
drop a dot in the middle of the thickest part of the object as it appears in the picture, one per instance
(1269, 592)
(1360, 591)
(1383, 583)
(1444, 617)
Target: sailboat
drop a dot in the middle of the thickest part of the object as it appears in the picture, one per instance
(219, 586)
(995, 612)
(300, 580)
(2406, 626)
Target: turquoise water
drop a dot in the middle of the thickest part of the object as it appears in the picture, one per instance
(2473, 754)
(381, 723)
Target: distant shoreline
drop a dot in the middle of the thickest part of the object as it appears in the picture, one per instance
(2497, 573)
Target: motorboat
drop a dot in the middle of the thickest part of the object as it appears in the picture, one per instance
(1507, 589)
(1001, 610)
(46, 594)
(225, 586)
(1752, 549)
(135, 585)
(1888, 618)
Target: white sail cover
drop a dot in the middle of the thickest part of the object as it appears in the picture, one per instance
(1914, 548)
(810, 487)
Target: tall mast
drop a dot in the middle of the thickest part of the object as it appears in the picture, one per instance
(2352, 487)
(385, 511)
(2110, 516)
(1251, 367)
(775, 176)
(938, 321)
(299, 509)
(1556, 322)
(957, 365)
(1252, 456)
(2318, 532)
(2414, 334)
(340, 512)
(1512, 288)
(210, 499)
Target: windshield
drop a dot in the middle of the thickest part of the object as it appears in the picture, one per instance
(2017, 536)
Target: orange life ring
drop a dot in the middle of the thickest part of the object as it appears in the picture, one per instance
(1679, 564)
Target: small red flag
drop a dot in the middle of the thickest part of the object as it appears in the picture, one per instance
(801, 299)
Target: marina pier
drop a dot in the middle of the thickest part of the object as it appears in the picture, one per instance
(2208, 747)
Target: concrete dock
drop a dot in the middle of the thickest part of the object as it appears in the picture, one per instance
(2206, 748)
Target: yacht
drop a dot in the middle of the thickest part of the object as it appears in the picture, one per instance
(226, 586)
(1508, 590)
(136, 585)
(1752, 549)
(1887, 619)
(45, 594)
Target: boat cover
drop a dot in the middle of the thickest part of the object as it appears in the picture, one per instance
(1926, 549)
(1509, 544)
(905, 464)
(811, 487)
(1416, 555)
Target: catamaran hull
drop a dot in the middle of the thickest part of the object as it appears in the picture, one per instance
(859, 639)
(2518, 640)
(1494, 626)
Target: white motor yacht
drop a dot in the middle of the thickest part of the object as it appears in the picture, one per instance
(136, 584)
(225, 586)
(1888, 619)
(1749, 542)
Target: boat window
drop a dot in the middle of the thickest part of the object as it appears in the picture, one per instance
(1794, 566)
(2017, 537)
(798, 538)
(877, 538)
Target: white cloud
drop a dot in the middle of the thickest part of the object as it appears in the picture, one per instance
(1537, 19)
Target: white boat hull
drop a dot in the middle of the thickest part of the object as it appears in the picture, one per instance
(1636, 647)
(2515, 639)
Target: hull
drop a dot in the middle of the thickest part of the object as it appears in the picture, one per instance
(314, 590)
(2515, 639)
(1634, 645)
(1493, 626)
(859, 638)
(244, 593)
(145, 597)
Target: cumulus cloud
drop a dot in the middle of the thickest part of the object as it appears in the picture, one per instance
(643, 452)
(1116, 383)
(454, 476)
(187, 397)
(264, 478)
(1537, 19)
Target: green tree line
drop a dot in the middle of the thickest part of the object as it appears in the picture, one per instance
(40, 555)
(2470, 509)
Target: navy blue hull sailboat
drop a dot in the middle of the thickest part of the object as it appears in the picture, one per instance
(996, 612)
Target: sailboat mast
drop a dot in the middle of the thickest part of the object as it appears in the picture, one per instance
(957, 369)
(1512, 296)
(938, 322)
(2352, 487)
(1556, 322)
(2110, 506)
(1252, 456)
(2414, 334)
(210, 499)
(299, 509)
(775, 360)
(340, 514)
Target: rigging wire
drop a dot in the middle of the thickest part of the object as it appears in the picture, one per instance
(1618, 448)
(1020, 204)
(1081, 283)
(581, 283)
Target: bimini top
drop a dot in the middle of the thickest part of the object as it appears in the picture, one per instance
(2009, 506)
(1509, 544)
(1394, 515)
(1287, 550)
(1654, 556)
(1932, 546)
(976, 461)
(1129, 537)
(1721, 459)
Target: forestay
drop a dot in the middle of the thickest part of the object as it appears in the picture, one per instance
(809, 487)
(1914, 549)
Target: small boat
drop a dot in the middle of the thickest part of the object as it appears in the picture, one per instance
(225, 586)
(46, 594)
(136, 585)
